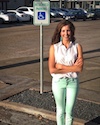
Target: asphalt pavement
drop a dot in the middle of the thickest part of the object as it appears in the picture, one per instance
(29, 66)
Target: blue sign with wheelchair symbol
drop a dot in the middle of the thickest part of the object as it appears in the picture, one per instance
(41, 16)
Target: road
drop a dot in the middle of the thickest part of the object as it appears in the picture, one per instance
(24, 40)
(21, 43)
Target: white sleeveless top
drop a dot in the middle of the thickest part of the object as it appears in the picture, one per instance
(66, 56)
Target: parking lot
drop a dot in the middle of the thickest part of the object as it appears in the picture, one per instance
(26, 14)
(20, 53)
(18, 42)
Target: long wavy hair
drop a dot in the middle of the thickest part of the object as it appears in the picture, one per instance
(56, 35)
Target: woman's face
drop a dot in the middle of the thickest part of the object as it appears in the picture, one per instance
(66, 33)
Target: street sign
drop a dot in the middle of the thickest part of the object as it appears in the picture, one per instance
(41, 12)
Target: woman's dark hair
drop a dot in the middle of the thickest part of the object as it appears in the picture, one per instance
(56, 36)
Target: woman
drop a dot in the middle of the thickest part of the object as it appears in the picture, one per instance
(65, 62)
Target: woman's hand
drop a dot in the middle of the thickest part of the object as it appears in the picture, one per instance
(76, 67)
(79, 62)
(58, 66)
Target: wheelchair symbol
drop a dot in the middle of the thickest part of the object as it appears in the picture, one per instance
(41, 16)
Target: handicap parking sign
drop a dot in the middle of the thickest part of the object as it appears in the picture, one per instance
(41, 12)
(41, 16)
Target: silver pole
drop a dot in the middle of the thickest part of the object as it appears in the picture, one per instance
(60, 3)
(41, 60)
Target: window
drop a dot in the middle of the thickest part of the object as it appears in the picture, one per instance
(23, 9)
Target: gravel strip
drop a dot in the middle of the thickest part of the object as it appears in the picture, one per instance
(83, 109)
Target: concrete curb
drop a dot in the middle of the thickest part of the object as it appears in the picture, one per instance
(35, 111)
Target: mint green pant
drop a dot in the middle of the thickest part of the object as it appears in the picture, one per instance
(65, 91)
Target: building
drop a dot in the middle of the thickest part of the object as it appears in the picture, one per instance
(12, 4)
(85, 4)
(3, 4)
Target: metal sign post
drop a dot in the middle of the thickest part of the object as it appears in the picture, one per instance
(41, 60)
(41, 17)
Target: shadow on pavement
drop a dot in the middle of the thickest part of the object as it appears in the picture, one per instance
(90, 80)
(37, 60)
(91, 51)
(95, 121)
(22, 63)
